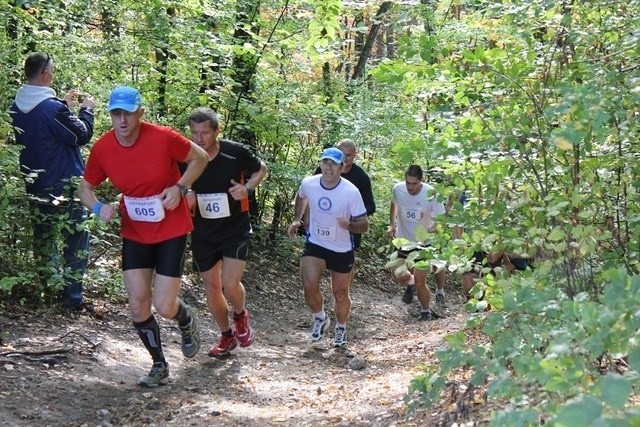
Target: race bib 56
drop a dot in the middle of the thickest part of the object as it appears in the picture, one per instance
(411, 215)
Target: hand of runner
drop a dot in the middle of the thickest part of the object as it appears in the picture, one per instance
(343, 222)
(238, 191)
(108, 212)
(170, 197)
(293, 229)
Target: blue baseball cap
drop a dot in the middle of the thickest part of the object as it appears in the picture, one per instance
(333, 154)
(125, 98)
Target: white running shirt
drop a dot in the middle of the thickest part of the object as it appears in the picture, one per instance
(325, 207)
(415, 211)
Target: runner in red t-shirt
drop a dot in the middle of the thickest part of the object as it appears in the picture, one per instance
(141, 160)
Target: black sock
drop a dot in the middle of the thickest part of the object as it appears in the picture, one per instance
(228, 333)
(149, 333)
(183, 316)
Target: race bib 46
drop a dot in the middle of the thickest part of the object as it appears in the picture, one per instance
(214, 205)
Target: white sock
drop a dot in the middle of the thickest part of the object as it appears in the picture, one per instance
(440, 291)
(341, 325)
(321, 315)
(412, 280)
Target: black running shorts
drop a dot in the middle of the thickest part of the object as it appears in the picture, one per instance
(340, 262)
(206, 255)
(166, 257)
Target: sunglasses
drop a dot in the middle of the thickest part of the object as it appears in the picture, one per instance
(44, 67)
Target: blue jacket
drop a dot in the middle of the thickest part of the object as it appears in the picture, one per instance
(51, 136)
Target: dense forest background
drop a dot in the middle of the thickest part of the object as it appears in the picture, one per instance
(531, 109)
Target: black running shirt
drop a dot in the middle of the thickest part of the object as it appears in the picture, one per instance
(232, 160)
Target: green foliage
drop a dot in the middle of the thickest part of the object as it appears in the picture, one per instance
(325, 27)
(538, 137)
(14, 261)
(550, 357)
(529, 110)
(532, 112)
(104, 269)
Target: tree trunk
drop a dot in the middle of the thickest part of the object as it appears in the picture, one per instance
(278, 210)
(327, 84)
(210, 78)
(244, 66)
(162, 58)
(365, 53)
(162, 55)
(109, 24)
(390, 43)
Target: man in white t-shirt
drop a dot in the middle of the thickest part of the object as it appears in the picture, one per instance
(414, 207)
(336, 212)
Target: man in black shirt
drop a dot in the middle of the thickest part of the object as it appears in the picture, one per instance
(220, 239)
(358, 177)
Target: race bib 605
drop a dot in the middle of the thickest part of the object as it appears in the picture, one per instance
(146, 209)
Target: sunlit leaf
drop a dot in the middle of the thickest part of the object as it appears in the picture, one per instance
(581, 412)
(562, 143)
(614, 390)
(556, 234)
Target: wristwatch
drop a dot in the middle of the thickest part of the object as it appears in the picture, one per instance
(183, 189)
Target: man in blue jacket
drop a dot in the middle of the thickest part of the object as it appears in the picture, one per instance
(51, 161)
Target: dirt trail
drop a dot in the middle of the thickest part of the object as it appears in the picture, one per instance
(89, 377)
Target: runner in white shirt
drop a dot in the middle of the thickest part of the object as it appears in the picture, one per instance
(413, 207)
(336, 212)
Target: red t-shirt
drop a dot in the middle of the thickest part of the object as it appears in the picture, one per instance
(145, 169)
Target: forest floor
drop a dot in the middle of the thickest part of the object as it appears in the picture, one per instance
(81, 370)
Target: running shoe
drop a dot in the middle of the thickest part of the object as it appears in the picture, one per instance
(84, 307)
(407, 297)
(190, 336)
(340, 337)
(440, 299)
(244, 332)
(224, 346)
(319, 328)
(159, 375)
(426, 315)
